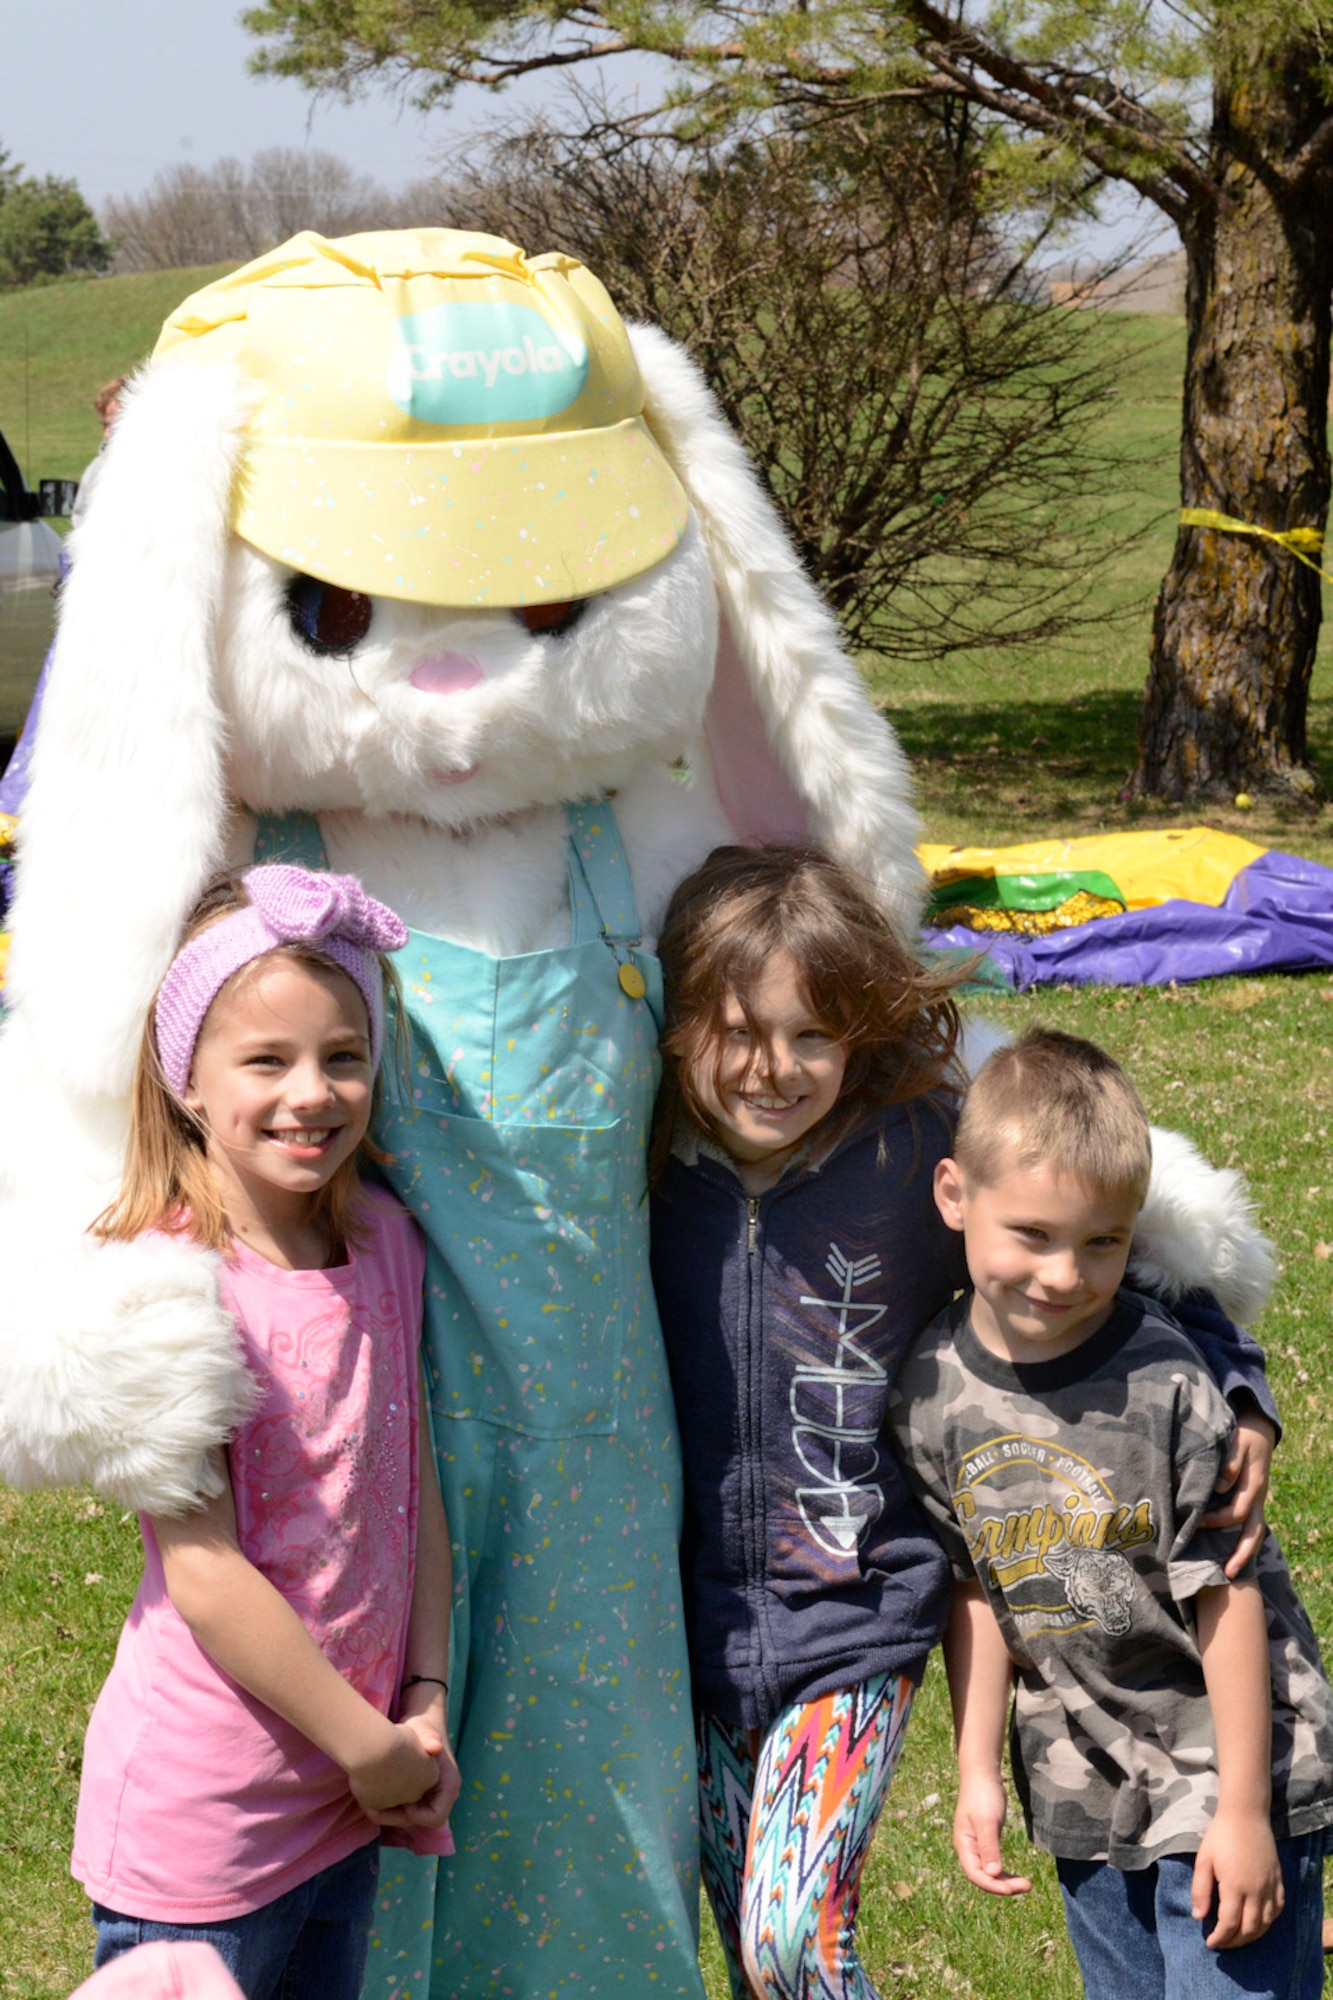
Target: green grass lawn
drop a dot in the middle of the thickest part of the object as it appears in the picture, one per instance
(60, 343)
(1006, 749)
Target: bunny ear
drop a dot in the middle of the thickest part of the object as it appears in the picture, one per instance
(757, 796)
(798, 749)
(124, 818)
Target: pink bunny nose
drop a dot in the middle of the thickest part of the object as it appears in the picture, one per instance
(446, 673)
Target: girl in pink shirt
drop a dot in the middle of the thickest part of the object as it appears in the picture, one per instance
(278, 1693)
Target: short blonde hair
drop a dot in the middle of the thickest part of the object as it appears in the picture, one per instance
(1054, 1100)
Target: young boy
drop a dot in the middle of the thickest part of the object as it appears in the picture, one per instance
(1173, 1730)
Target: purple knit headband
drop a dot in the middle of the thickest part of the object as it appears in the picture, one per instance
(288, 905)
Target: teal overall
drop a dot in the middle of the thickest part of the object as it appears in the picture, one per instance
(521, 1151)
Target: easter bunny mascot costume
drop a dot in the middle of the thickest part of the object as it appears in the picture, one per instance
(408, 560)
(405, 559)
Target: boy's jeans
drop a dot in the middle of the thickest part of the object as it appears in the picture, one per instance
(308, 1945)
(1135, 1939)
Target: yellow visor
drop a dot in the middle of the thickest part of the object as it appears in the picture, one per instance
(439, 418)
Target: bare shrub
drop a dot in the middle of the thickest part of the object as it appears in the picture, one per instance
(921, 415)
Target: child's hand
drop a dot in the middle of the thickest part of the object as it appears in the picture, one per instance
(433, 1807)
(1238, 1862)
(1244, 1481)
(978, 1822)
(403, 1767)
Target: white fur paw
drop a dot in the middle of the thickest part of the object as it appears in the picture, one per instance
(1198, 1231)
(119, 1369)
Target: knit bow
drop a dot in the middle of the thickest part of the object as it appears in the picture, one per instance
(305, 908)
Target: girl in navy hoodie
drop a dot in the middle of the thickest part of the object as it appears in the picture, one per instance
(808, 1091)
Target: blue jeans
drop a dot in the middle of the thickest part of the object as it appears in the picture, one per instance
(1135, 1939)
(308, 1945)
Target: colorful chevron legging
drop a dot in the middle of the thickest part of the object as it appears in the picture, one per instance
(786, 1821)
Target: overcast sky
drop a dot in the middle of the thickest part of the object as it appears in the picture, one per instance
(106, 92)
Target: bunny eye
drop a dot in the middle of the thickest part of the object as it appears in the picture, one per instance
(325, 617)
(551, 621)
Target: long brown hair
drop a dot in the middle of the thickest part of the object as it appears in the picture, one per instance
(167, 1182)
(895, 1016)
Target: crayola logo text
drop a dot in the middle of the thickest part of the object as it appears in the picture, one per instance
(485, 363)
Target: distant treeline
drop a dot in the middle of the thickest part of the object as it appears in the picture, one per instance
(205, 215)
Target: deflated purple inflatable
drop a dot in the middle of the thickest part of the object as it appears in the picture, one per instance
(1274, 915)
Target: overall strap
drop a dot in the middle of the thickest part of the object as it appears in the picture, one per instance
(601, 892)
(293, 836)
(602, 902)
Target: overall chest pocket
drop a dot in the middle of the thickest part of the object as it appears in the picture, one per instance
(528, 1275)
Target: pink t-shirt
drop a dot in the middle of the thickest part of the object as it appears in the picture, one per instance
(198, 1803)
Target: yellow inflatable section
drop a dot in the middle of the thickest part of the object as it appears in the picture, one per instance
(1194, 864)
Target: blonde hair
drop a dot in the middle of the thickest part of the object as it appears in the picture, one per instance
(1057, 1101)
(168, 1183)
(895, 1016)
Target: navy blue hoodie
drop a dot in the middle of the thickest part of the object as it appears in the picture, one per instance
(807, 1566)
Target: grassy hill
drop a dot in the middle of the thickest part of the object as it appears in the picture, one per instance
(59, 343)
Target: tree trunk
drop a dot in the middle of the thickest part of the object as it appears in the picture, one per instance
(1237, 619)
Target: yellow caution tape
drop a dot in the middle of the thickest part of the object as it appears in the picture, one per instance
(1303, 543)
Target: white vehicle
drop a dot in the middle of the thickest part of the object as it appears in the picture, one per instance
(29, 570)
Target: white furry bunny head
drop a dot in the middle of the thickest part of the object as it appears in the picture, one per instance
(322, 572)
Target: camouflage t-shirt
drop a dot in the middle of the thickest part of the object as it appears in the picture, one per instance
(1072, 1490)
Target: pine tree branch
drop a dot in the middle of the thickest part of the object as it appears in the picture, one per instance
(1315, 154)
(490, 71)
(1174, 202)
(1058, 104)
